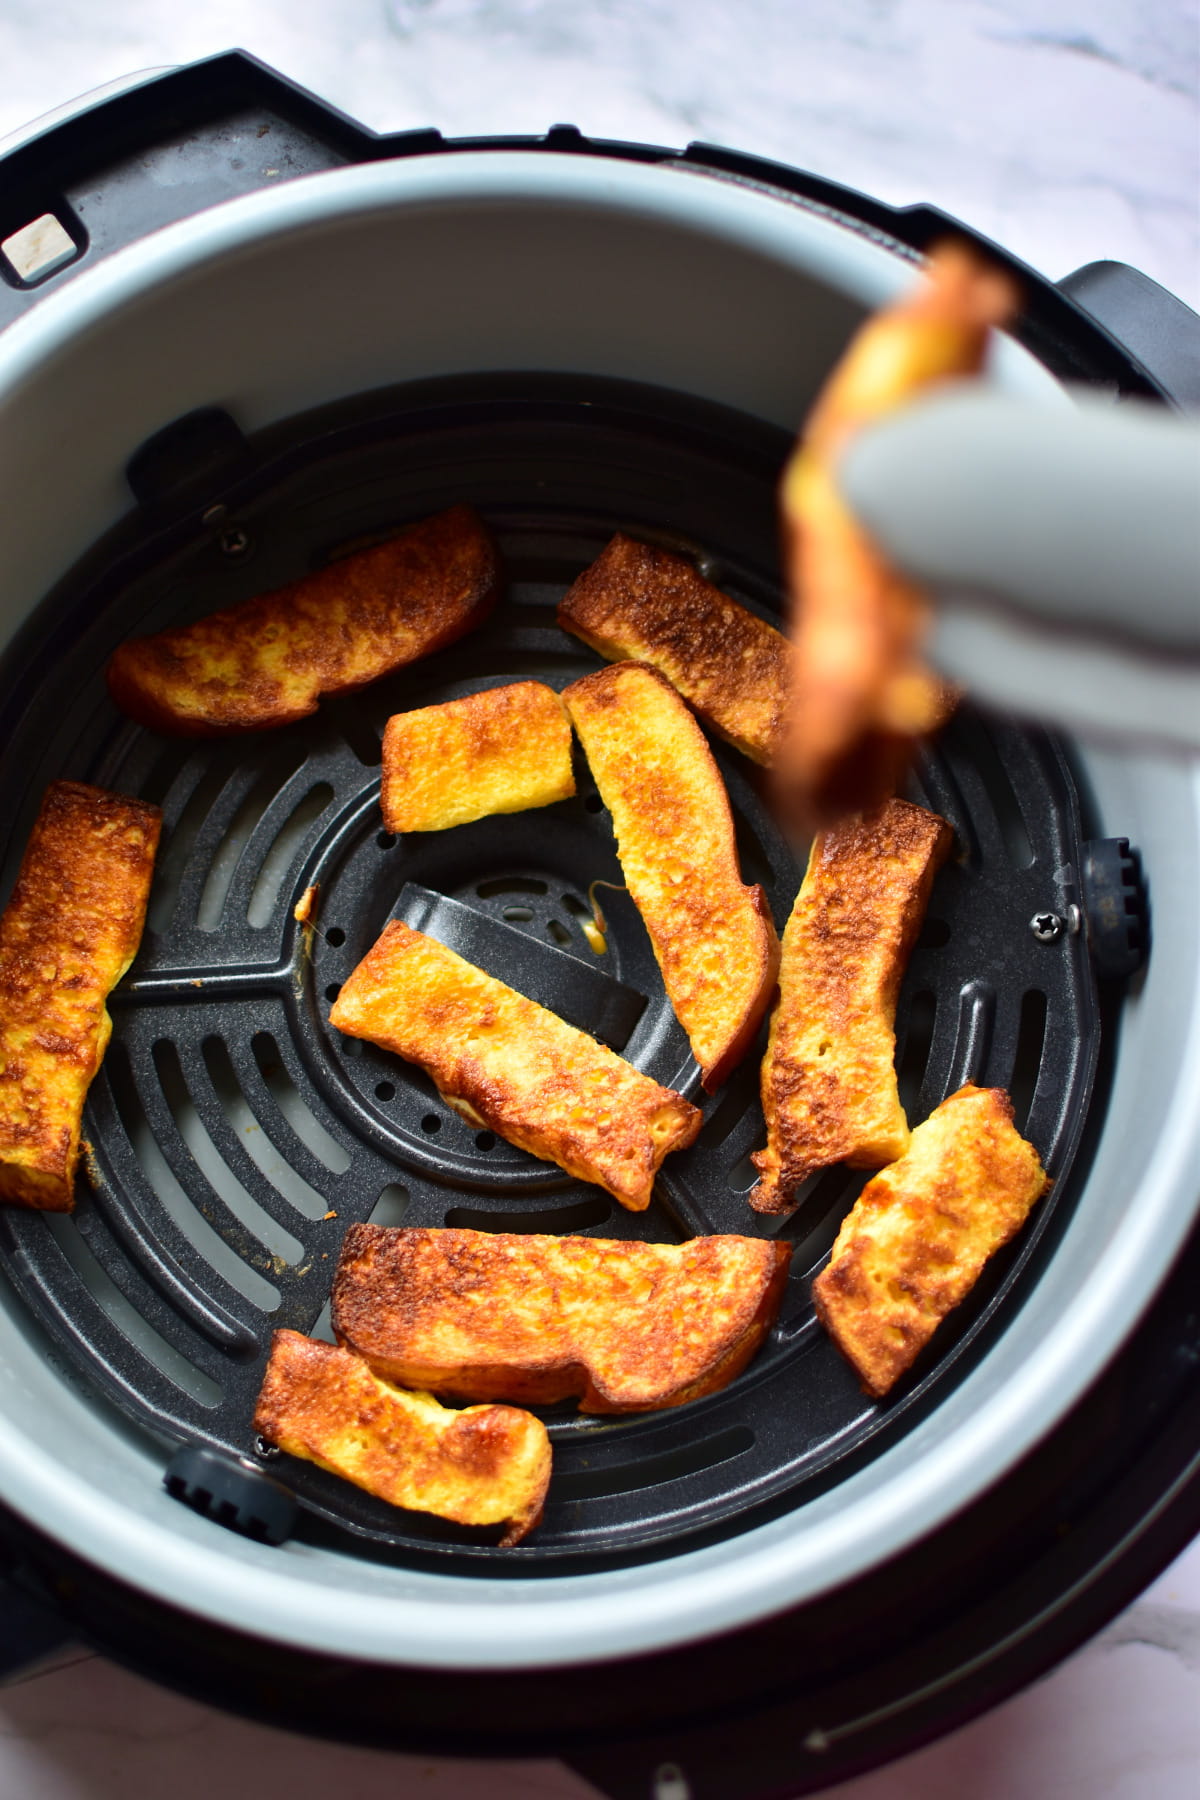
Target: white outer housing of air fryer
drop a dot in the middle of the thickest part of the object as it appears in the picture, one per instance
(367, 276)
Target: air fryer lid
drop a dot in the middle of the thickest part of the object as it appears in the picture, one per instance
(270, 306)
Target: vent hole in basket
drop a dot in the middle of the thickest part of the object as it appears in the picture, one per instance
(180, 839)
(517, 915)
(935, 935)
(579, 1216)
(127, 1319)
(293, 1106)
(1027, 1063)
(739, 1097)
(270, 1162)
(322, 1325)
(652, 1471)
(347, 716)
(913, 1057)
(169, 1192)
(281, 858)
(558, 932)
(232, 847)
(275, 1239)
(744, 1174)
(986, 763)
(485, 1140)
(755, 863)
(510, 884)
(391, 1207)
(431, 1124)
(335, 937)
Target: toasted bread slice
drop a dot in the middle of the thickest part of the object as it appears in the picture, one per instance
(502, 750)
(503, 1315)
(714, 938)
(68, 934)
(268, 661)
(915, 1241)
(488, 1465)
(828, 1079)
(505, 1062)
(644, 605)
(863, 693)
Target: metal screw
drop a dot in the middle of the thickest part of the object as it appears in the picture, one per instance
(234, 542)
(1047, 927)
(264, 1449)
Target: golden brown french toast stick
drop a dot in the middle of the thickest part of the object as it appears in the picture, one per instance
(915, 1241)
(487, 1465)
(502, 750)
(504, 1062)
(69, 932)
(483, 1315)
(645, 605)
(268, 661)
(862, 692)
(828, 1079)
(713, 936)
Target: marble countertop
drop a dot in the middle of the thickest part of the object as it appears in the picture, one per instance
(1068, 131)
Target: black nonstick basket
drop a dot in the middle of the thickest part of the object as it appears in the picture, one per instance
(233, 1134)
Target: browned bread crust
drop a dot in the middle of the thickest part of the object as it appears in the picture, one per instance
(268, 661)
(501, 1315)
(913, 1245)
(714, 937)
(650, 606)
(488, 1465)
(69, 932)
(501, 750)
(505, 1062)
(828, 1079)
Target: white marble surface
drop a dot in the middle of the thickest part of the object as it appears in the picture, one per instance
(1066, 129)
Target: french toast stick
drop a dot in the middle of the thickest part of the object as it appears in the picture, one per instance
(67, 935)
(501, 750)
(628, 1327)
(915, 1241)
(714, 938)
(504, 1062)
(640, 604)
(269, 661)
(861, 691)
(487, 1465)
(828, 1079)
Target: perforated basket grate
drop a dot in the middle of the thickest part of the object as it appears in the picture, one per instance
(233, 1135)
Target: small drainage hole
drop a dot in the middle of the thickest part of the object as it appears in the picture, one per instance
(384, 1090)
(386, 840)
(333, 990)
(558, 932)
(431, 1123)
(485, 1140)
(335, 936)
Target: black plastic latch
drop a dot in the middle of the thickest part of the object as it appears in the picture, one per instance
(585, 997)
(1115, 907)
(190, 461)
(231, 1493)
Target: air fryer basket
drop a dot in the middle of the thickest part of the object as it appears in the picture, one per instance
(233, 1135)
(577, 338)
